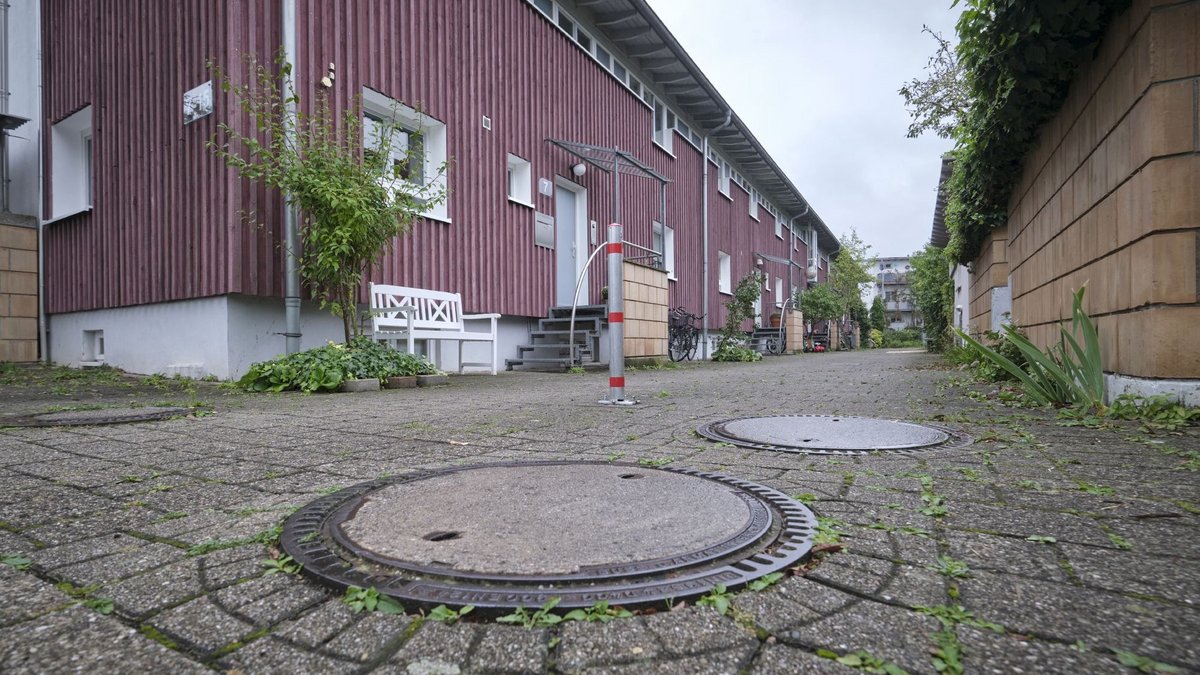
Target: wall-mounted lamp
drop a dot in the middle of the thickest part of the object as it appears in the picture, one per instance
(579, 169)
(759, 262)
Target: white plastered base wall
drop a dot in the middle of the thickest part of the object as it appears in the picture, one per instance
(222, 336)
(1186, 392)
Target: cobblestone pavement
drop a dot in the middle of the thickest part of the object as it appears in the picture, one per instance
(1074, 548)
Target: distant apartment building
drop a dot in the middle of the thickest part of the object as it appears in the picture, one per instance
(891, 283)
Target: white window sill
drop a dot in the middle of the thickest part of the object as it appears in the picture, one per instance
(779, 237)
(672, 277)
(722, 292)
(520, 202)
(755, 218)
(664, 148)
(726, 195)
(76, 212)
(439, 219)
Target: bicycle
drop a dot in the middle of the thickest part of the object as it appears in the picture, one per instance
(682, 334)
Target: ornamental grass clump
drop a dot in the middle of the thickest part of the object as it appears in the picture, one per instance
(326, 368)
(1068, 373)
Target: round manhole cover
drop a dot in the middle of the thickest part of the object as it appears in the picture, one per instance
(67, 418)
(830, 434)
(509, 535)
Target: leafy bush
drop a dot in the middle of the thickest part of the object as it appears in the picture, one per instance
(1157, 412)
(731, 342)
(876, 338)
(1068, 373)
(325, 368)
(905, 337)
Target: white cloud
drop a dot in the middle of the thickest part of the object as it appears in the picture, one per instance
(817, 82)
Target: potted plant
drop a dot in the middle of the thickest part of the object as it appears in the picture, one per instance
(776, 319)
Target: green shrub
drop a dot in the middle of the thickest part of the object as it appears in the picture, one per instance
(325, 368)
(905, 337)
(876, 338)
(731, 344)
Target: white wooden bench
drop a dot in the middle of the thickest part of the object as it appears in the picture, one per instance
(411, 314)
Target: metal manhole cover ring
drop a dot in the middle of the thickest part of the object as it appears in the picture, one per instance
(518, 534)
(70, 418)
(831, 434)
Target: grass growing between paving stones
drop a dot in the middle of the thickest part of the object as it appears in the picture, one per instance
(361, 599)
(864, 661)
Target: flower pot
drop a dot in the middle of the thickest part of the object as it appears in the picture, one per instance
(366, 384)
(776, 319)
(401, 382)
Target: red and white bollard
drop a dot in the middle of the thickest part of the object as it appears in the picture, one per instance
(616, 317)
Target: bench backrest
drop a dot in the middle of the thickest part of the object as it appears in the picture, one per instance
(434, 309)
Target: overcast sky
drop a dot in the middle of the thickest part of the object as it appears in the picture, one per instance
(817, 82)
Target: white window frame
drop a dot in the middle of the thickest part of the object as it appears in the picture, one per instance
(432, 133)
(663, 126)
(72, 160)
(778, 227)
(520, 181)
(754, 203)
(724, 273)
(663, 242)
(779, 291)
(723, 171)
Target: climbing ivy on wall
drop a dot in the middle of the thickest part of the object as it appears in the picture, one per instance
(1019, 58)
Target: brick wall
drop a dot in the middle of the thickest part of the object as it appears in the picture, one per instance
(18, 293)
(795, 332)
(645, 311)
(1110, 197)
(990, 272)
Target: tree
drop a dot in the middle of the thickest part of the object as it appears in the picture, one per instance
(820, 303)
(939, 102)
(731, 343)
(932, 290)
(850, 272)
(353, 203)
(878, 314)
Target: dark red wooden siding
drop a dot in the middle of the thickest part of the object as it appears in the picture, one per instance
(167, 223)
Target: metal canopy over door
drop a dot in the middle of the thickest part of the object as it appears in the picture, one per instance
(570, 247)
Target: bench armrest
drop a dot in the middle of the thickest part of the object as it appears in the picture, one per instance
(469, 317)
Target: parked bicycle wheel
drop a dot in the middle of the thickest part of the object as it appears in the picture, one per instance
(694, 344)
(680, 345)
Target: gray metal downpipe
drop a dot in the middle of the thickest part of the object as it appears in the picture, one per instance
(291, 232)
(704, 240)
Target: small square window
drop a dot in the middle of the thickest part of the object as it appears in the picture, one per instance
(619, 71)
(197, 102)
(520, 181)
(603, 57)
(71, 175)
(584, 40)
(565, 23)
(544, 6)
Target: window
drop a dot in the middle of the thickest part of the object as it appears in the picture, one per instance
(723, 176)
(520, 181)
(778, 227)
(544, 6)
(662, 240)
(664, 120)
(603, 57)
(779, 291)
(584, 40)
(724, 274)
(754, 203)
(71, 173)
(415, 143)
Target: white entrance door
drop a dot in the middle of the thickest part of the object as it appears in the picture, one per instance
(570, 241)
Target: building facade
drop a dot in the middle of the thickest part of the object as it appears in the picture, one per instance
(891, 283)
(1108, 198)
(151, 264)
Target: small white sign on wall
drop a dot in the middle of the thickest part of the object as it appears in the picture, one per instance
(197, 102)
(546, 187)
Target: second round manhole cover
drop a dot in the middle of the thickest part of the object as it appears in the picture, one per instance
(509, 535)
(829, 434)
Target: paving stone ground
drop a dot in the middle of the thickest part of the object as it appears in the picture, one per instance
(1078, 543)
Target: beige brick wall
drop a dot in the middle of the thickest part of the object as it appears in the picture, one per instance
(795, 332)
(18, 294)
(646, 309)
(989, 271)
(1110, 197)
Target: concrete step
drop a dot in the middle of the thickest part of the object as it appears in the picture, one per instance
(580, 311)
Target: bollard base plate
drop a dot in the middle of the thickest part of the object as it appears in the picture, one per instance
(620, 401)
